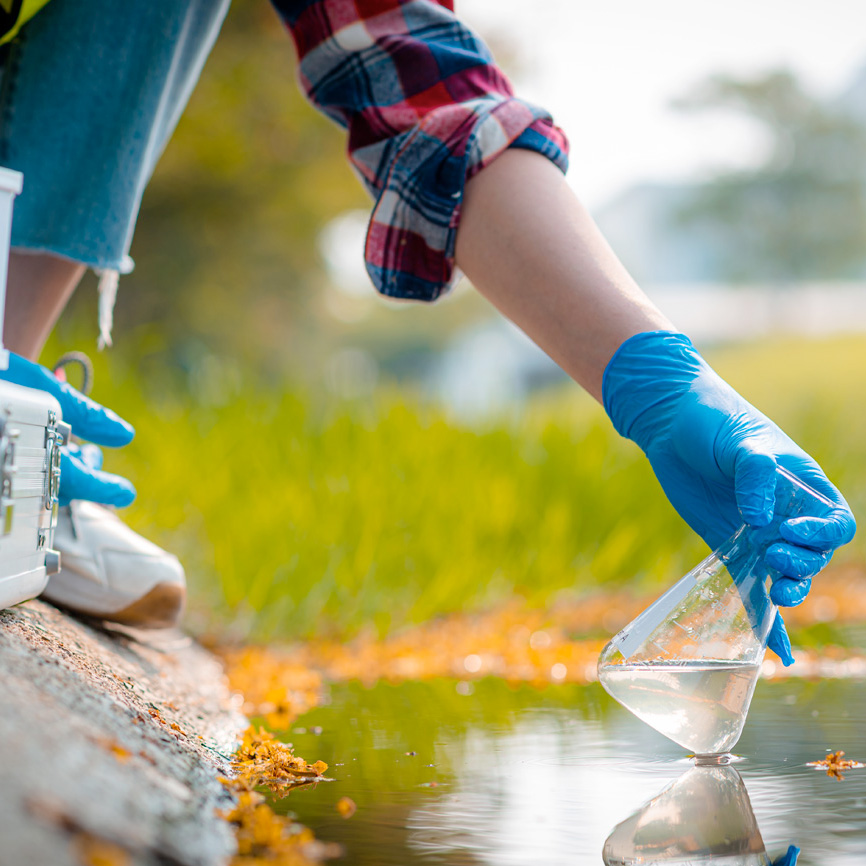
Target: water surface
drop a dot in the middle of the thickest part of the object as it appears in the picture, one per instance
(448, 772)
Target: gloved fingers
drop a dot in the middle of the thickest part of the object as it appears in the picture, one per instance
(779, 642)
(755, 484)
(789, 858)
(87, 453)
(789, 592)
(88, 419)
(91, 455)
(79, 481)
(92, 421)
(820, 533)
(796, 562)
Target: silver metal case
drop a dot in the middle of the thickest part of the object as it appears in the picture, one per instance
(31, 434)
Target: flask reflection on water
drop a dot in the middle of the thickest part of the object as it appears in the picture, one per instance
(688, 665)
(704, 817)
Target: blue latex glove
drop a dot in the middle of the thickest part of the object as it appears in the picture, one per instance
(715, 456)
(81, 477)
(78, 478)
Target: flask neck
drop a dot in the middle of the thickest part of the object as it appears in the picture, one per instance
(743, 557)
(745, 549)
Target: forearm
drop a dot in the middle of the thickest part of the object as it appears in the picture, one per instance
(425, 107)
(530, 247)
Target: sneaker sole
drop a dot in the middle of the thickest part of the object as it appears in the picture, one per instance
(160, 608)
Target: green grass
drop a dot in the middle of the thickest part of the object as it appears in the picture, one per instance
(296, 515)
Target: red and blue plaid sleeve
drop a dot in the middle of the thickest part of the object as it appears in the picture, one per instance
(425, 107)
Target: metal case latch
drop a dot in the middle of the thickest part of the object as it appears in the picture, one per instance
(7, 472)
(56, 435)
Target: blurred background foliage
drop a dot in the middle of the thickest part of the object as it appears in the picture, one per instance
(800, 213)
(301, 506)
(296, 515)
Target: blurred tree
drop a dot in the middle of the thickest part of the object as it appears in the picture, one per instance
(801, 213)
(225, 247)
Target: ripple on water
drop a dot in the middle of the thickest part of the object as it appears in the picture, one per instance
(513, 775)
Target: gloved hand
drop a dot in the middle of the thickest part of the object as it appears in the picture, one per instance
(715, 456)
(78, 478)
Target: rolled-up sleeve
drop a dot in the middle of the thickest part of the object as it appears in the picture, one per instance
(425, 107)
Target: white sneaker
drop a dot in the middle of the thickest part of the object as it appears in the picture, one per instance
(110, 572)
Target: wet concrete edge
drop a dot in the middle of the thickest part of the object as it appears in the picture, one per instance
(110, 735)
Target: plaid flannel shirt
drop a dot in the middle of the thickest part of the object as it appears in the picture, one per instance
(425, 107)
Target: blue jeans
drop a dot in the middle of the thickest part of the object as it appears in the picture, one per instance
(90, 92)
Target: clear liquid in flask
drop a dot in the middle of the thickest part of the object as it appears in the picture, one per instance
(701, 705)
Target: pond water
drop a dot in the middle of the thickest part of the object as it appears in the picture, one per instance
(457, 773)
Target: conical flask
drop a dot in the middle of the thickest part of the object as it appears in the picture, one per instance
(689, 663)
(704, 817)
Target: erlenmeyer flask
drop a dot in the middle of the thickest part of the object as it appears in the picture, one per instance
(689, 663)
(704, 817)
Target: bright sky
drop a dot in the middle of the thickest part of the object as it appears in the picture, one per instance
(608, 70)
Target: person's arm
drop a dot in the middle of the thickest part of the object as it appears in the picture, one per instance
(425, 107)
(440, 140)
(528, 245)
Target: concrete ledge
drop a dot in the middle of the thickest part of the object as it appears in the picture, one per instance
(114, 737)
